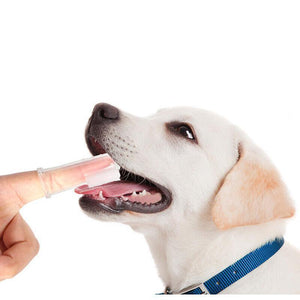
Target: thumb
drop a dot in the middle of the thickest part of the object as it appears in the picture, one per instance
(21, 246)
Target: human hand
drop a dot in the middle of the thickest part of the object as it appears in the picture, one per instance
(18, 244)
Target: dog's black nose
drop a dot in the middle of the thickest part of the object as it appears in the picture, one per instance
(104, 111)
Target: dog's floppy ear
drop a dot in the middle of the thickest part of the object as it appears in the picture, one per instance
(252, 192)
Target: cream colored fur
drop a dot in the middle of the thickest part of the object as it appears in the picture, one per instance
(228, 199)
(252, 192)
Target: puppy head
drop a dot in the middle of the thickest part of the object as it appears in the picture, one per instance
(186, 154)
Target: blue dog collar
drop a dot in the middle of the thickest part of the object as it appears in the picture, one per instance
(236, 271)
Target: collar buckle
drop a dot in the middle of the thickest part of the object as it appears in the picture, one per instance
(203, 289)
(200, 287)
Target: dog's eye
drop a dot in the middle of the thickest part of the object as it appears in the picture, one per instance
(186, 131)
(182, 129)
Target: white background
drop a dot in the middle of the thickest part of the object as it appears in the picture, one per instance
(59, 58)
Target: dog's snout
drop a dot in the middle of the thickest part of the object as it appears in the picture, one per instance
(104, 111)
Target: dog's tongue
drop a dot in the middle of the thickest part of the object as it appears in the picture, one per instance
(113, 189)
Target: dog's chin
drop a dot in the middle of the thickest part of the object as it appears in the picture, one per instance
(96, 206)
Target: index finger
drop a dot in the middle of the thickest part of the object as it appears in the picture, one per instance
(61, 178)
(28, 186)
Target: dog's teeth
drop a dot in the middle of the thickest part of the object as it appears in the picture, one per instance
(101, 196)
(134, 194)
(143, 193)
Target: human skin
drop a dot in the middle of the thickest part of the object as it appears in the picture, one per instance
(18, 245)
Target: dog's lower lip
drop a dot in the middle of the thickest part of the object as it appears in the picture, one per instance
(94, 206)
(118, 205)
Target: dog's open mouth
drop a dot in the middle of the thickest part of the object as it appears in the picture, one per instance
(132, 193)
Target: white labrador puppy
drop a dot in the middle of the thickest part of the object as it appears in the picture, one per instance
(200, 191)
